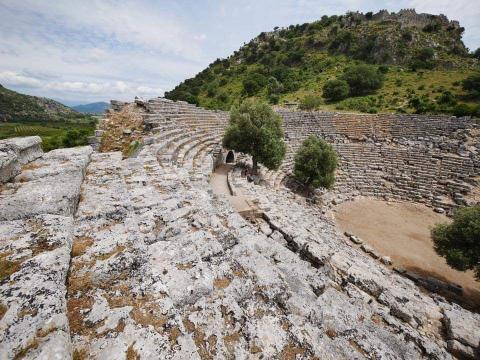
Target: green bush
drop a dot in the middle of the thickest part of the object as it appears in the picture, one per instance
(310, 102)
(335, 90)
(366, 104)
(459, 242)
(315, 163)
(423, 59)
(255, 129)
(447, 98)
(466, 110)
(253, 83)
(421, 105)
(472, 85)
(363, 79)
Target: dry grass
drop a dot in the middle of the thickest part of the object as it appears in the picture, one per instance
(184, 266)
(80, 245)
(34, 343)
(7, 267)
(113, 139)
(80, 354)
(118, 249)
(3, 310)
(254, 349)
(221, 283)
(33, 165)
(75, 317)
(331, 333)
(132, 353)
(291, 351)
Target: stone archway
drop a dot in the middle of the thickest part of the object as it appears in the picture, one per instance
(230, 159)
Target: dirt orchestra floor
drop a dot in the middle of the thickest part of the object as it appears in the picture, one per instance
(402, 231)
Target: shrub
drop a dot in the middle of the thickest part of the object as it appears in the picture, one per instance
(75, 138)
(310, 102)
(447, 98)
(423, 59)
(459, 242)
(383, 69)
(476, 54)
(253, 83)
(363, 79)
(315, 163)
(256, 130)
(273, 99)
(421, 105)
(335, 90)
(466, 110)
(363, 104)
(472, 85)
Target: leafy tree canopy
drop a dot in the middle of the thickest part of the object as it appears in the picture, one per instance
(315, 163)
(335, 90)
(459, 242)
(256, 130)
(363, 79)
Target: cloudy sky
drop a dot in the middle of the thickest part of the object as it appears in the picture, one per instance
(95, 50)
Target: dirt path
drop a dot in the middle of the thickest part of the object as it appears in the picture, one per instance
(402, 231)
(219, 184)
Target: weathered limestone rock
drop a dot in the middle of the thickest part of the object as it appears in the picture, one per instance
(35, 254)
(463, 330)
(49, 185)
(16, 152)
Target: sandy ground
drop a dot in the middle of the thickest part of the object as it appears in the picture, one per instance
(402, 231)
(219, 184)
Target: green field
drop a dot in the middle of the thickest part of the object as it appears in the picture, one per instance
(54, 134)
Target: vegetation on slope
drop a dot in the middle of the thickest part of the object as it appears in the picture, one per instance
(57, 124)
(421, 57)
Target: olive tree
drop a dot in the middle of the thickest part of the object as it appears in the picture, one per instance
(315, 163)
(255, 129)
(459, 242)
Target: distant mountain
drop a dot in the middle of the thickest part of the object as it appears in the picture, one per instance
(20, 107)
(421, 56)
(93, 108)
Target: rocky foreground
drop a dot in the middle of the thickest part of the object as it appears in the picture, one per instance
(105, 258)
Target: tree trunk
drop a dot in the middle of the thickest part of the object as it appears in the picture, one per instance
(255, 166)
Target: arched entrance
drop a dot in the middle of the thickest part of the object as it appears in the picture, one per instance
(230, 159)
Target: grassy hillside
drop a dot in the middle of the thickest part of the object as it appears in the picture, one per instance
(57, 124)
(421, 58)
(19, 107)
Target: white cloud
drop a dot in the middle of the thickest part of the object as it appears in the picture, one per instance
(136, 23)
(13, 78)
(102, 49)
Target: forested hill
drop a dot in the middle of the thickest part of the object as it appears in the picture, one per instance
(419, 61)
(19, 107)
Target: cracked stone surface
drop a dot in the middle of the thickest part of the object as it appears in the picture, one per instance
(111, 258)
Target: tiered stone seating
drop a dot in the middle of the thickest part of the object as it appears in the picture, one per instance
(411, 157)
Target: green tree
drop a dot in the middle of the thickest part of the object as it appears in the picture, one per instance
(256, 130)
(335, 90)
(315, 163)
(363, 79)
(459, 242)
